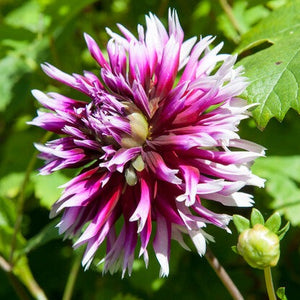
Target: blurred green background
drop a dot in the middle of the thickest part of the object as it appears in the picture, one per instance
(35, 31)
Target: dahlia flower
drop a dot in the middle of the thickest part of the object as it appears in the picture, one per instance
(158, 136)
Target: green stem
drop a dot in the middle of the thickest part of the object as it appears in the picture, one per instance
(223, 275)
(228, 11)
(72, 278)
(21, 200)
(18, 287)
(29, 280)
(269, 284)
(5, 265)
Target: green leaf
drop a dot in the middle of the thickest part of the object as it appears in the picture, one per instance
(23, 272)
(283, 178)
(241, 223)
(28, 16)
(274, 222)
(281, 293)
(281, 233)
(10, 185)
(48, 233)
(8, 32)
(7, 212)
(17, 151)
(256, 217)
(6, 235)
(234, 249)
(12, 68)
(7, 223)
(245, 17)
(274, 73)
(47, 188)
(62, 11)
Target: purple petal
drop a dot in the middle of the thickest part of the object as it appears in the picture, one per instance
(157, 165)
(95, 51)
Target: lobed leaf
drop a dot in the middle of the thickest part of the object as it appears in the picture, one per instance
(274, 73)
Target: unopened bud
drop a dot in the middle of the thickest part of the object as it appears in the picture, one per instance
(259, 246)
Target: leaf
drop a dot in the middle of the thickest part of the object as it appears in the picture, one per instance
(274, 73)
(256, 217)
(245, 17)
(10, 185)
(48, 233)
(241, 223)
(234, 249)
(274, 222)
(7, 223)
(46, 188)
(17, 151)
(12, 68)
(22, 270)
(28, 16)
(62, 11)
(281, 233)
(7, 212)
(8, 32)
(6, 235)
(283, 178)
(281, 293)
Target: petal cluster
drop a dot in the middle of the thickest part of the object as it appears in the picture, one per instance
(158, 137)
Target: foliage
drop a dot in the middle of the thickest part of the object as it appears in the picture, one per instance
(33, 258)
(275, 87)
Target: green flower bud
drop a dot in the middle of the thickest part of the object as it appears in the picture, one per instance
(259, 246)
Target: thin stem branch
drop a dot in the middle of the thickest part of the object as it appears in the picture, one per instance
(23, 274)
(18, 287)
(223, 275)
(269, 284)
(21, 200)
(228, 11)
(5, 265)
(72, 278)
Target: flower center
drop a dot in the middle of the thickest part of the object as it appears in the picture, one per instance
(139, 130)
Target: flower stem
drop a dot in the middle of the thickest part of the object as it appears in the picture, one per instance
(72, 279)
(223, 275)
(269, 283)
(228, 11)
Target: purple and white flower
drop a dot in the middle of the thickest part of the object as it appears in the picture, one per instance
(158, 136)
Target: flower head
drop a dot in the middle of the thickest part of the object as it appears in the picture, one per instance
(150, 147)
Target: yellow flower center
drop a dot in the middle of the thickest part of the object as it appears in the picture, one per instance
(139, 130)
